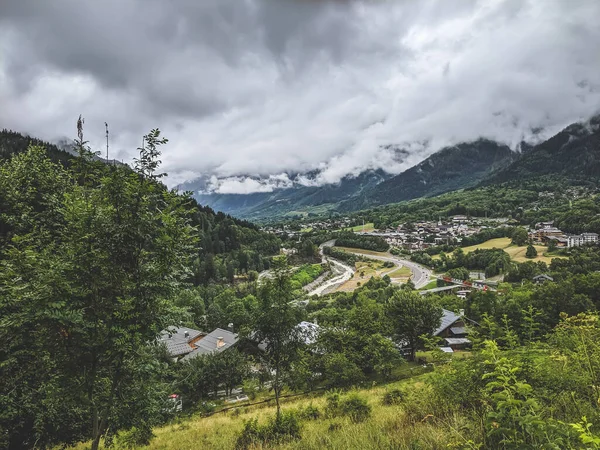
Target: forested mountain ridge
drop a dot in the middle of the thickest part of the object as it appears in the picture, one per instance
(295, 199)
(449, 169)
(12, 142)
(573, 153)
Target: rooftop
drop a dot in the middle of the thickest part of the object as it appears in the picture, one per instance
(457, 341)
(177, 340)
(216, 341)
(448, 318)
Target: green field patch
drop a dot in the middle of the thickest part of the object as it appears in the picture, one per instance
(367, 228)
(516, 253)
(401, 272)
(360, 251)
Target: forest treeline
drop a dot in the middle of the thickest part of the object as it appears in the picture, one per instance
(226, 247)
(95, 260)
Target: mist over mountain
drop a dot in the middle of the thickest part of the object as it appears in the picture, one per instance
(451, 168)
(573, 153)
(297, 198)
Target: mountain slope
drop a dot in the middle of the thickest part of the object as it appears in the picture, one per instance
(293, 200)
(12, 142)
(573, 153)
(449, 169)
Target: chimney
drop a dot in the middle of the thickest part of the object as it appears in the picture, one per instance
(230, 326)
(186, 333)
(461, 312)
(220, 342)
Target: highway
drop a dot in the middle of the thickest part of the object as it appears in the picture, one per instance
(342, 272)
(420, 275)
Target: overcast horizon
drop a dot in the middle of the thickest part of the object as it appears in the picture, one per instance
(268, 87)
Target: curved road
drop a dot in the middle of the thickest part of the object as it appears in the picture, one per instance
(342, 272)
(420, 275)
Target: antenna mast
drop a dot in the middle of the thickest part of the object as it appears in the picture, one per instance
(106, 126)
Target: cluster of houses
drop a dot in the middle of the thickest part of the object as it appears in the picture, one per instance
(422, 235)
(333, 224)
(183, 343)
(546, 232)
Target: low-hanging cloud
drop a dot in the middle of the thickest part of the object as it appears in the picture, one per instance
(261, 88)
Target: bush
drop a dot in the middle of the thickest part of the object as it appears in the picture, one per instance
(310, 412)
(135, 437)
(334, 426)
(353, 406)
(341, 372)
(356, 408)
(207, 407)
(393, 397)
(279, 429)
(250, 387)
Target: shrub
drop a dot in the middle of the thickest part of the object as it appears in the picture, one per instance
(393, 397)
(353, 406)
(207, 407)
(341, 372)
(250, 387)
(356, 408)
(279, 429)
(135, 437)
(334, 426)
(310, 412)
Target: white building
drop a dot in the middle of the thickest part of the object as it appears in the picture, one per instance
(582, 239)
(589, 238)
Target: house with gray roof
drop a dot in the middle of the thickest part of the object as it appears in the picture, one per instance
(453, 329)
(180, 341)
(216, 341)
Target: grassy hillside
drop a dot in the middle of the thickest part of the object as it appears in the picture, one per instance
(389, 427)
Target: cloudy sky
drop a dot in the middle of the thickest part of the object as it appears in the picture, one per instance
(265, 87)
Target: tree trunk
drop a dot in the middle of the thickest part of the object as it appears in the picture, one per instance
(96, 442)
(95, 429)
(413, 350)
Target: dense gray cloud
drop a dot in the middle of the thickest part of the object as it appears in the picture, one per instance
(269, 87)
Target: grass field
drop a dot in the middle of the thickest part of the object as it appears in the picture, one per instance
(367, 269)
(401, 272)
(431, 285)
(516, 253)
(387, 428)
(360, 251)
(368, 228)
